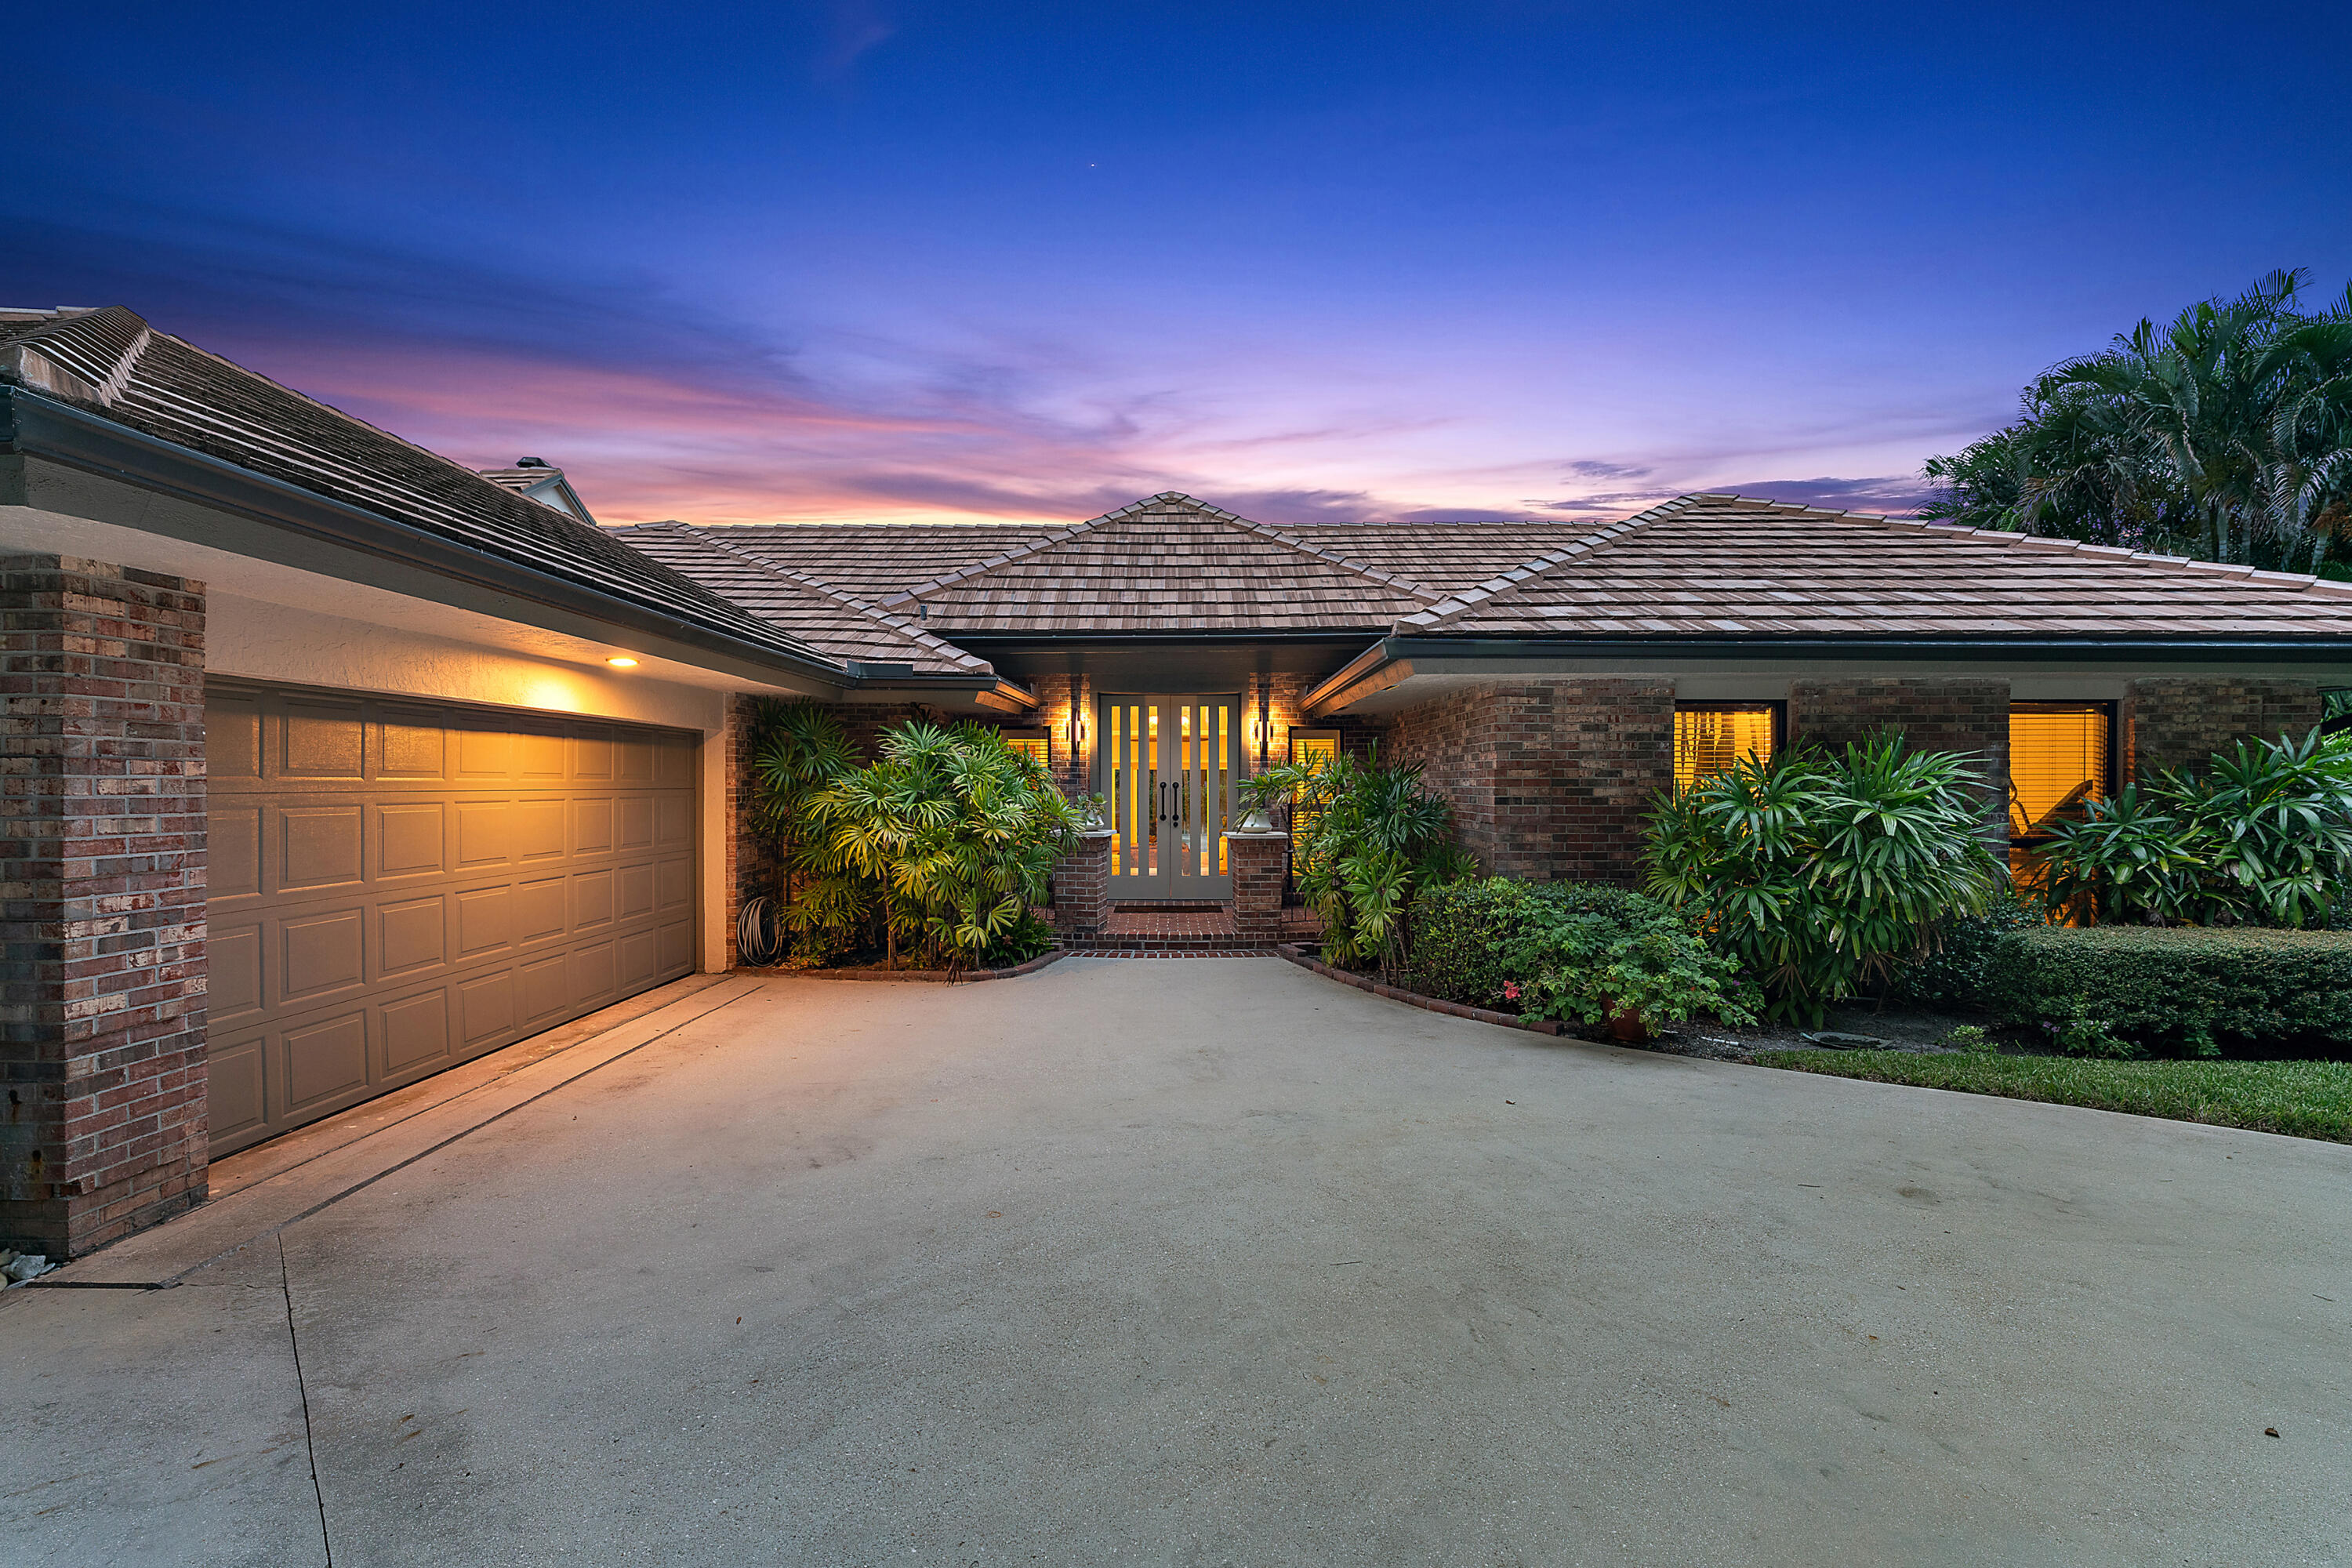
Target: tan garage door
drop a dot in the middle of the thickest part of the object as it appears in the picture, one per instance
(398, 887)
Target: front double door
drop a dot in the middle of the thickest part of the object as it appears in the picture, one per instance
(1170, 765)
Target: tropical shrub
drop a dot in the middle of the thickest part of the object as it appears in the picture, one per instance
(2121, 990)
(1952, 971)
(2263, 836)
(939, 849)
(1575, 951)
(1818, 871)
(1365, 837)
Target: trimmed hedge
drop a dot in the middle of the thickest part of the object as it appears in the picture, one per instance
(1462, 931)
(2189, 989)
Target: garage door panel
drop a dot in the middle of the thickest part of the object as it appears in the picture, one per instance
(412, 839)
(236, 1087)
(321, 740)
(639, 957)
(325, 1061)
(415, 1031)
(635, 887)
(591, 899)
(320, 951)
(233, 971)
(485, 921)
(540, 909)
(397, 886)
(411, 934)
(592, 825)
(540, 755)
(484, 833)
(318, 847)
(674, 884)
(413, 748)
(232, 848)
(485, 1009)
(539, 827)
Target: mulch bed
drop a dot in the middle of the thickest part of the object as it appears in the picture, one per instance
(940, 976)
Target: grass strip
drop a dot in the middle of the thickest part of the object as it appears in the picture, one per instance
(2302, 1099)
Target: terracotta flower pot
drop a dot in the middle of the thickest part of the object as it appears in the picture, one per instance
(1629, 1026)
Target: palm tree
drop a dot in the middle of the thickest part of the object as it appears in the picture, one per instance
(2226, 435)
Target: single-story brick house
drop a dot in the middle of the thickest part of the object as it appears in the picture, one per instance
(330, 762)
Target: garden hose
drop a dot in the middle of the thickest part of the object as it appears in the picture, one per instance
(757, 941)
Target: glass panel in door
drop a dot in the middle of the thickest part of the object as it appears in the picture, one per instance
(1170, 765)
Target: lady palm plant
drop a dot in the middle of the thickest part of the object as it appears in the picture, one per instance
(2263, 836)
(1365, 837)
(954, 835)
(1818, 871)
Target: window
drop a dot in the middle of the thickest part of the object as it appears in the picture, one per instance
(1031, 743)
(2058, 759)
(1709, 737)
(1316, 746)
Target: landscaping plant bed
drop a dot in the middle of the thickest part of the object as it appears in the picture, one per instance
(1296, 953)
(2299, 1098)
(942, 976)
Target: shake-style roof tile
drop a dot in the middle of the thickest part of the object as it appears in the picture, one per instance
(1724, 566)
(110, 363)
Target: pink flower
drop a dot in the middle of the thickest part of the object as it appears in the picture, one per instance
(1511, 990)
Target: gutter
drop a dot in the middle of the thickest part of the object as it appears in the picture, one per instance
(32, 426)
(1390, 660)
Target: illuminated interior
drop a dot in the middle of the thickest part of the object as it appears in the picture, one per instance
(1709, 740)
(1032, 746)
(2058, 759)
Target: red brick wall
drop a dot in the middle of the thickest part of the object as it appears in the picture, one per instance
(2180, 721)
(103, 1130)
(1261, 867)
(1081, 886)
(1935, 713)
(1550, 778)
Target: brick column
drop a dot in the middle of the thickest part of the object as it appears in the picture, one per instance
(104, 1128)
(1082, 886)
(2181, 721)
(1259, 862)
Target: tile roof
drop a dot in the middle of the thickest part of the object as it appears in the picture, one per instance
(111, 363)
(1445, 556)
(827, 618)
(1726, 566)
(875, 561)
(1168, 563)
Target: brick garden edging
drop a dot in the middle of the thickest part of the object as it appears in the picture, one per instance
(937, 976)
(1299, 956)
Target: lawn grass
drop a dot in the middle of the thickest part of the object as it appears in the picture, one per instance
(2303, 1100)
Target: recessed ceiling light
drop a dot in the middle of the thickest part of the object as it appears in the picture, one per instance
(622, 661)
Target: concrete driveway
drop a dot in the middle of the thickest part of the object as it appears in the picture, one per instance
(1211, 1262)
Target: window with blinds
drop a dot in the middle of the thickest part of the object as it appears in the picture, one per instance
(1710, 737)
(1031, 743)
(2057, 760)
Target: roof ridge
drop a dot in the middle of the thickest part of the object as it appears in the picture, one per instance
(1004, 558)
(899, 624)
(1456, 605)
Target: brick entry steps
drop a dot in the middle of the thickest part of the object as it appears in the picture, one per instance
(1184, 933)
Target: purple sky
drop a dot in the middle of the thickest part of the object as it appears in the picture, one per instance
(877, 260)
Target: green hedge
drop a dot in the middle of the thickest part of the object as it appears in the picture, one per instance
(2120, 990)
(1462, 931)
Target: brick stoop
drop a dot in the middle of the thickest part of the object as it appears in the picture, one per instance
(1182, 933)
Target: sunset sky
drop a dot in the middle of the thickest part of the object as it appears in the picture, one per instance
(876, 260)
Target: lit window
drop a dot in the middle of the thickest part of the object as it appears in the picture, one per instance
(2057, 761)
(1032, 744)
(1711, 737)
(1314, 747)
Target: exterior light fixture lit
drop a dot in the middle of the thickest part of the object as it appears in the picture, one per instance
(622, 661)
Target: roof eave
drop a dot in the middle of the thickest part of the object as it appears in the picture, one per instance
(33, 425)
